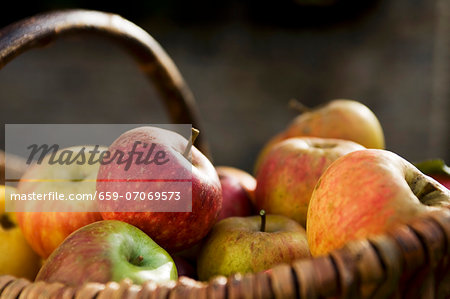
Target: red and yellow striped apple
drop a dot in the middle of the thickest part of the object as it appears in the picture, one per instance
(366, 193)
(290, 171)
(44, 231)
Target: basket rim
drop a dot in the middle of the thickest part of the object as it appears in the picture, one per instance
(382, 261)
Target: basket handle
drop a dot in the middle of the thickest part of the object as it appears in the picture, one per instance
(158, 67)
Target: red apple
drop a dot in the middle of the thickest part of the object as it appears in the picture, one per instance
(290, 171)
(238, 189)
(366, 193)
(442, 178)
(163, 220)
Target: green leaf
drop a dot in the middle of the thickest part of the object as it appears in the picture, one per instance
(434, 166)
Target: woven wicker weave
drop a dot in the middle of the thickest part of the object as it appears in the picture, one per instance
(411, 261)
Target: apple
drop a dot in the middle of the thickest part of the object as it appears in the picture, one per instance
(105, 251)
(190, 254)
(238, 189)
(251, 244)
(172, 230)
(184, 267)
(55, 226)
(366, 193)
(266, 149)
(290, 171)
(442, 178)
(17, 258)
(437, 169)
(340, 119)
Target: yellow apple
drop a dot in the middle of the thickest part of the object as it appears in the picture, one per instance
(16, 258)
(341, 119)
(338, 119)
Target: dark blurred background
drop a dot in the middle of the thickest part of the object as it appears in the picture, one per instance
(244, 60)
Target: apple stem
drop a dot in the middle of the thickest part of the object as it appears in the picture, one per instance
(298, 106)
(262, 213)
(138, 260)
(194, 135)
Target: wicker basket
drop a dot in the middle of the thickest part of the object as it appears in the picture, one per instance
(411, 261)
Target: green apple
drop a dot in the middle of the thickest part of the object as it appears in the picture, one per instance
(108, 250)
(251, 244)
